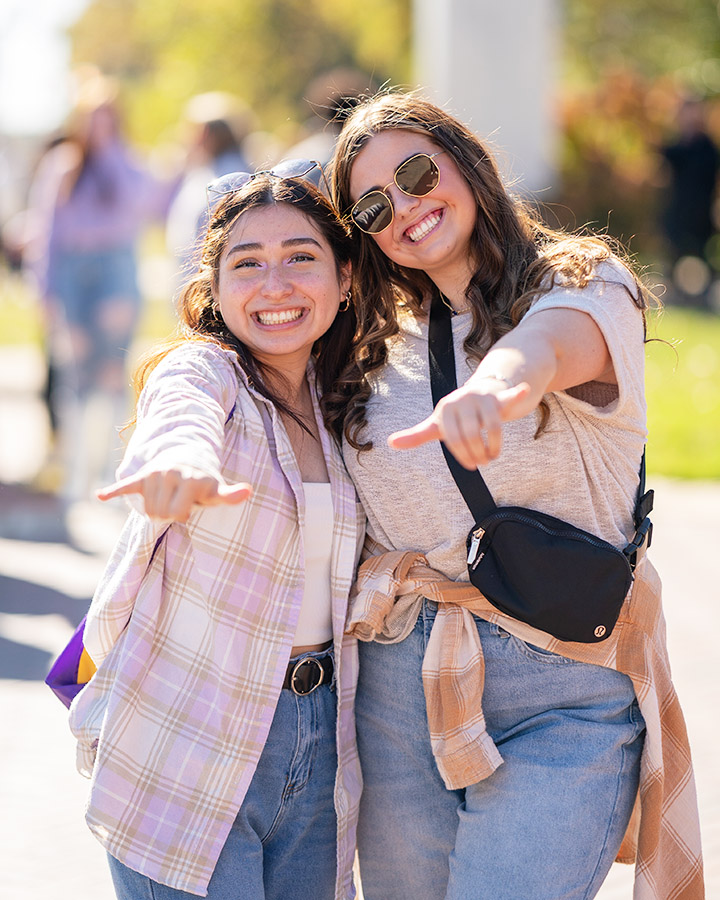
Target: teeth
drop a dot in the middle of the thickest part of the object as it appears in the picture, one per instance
(423, 228)
(278, 318)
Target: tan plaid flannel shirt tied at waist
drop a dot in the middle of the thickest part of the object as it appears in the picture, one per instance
(663, 837)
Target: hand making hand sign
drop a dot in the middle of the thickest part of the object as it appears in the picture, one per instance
(468, 420)
(172, 493)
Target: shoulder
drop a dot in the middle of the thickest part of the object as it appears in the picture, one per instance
(611, 289)
(56, 168)
(614, 273)
(197, 366)
(198, 355)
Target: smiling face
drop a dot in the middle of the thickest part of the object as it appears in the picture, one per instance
(278, 286)
(430, 233)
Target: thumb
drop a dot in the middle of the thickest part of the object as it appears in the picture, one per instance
(513, 402)
(419, 434)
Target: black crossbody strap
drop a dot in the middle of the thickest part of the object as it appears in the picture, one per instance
(471, 484)
(441, 357)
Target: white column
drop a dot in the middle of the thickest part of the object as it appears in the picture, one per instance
(493, 64)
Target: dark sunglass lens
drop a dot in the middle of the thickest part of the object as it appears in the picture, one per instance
(372, 213)
(417, 176)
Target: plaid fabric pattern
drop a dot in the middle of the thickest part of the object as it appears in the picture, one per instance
(191, 629)
(663, 837)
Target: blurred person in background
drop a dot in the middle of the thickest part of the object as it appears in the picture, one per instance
(692, 161)
(8, 242)
(331, 96)
(219, 123)
(88, 204)
(22, 234)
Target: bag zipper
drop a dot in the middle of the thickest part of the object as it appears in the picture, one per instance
(477, 536)
(479, 532)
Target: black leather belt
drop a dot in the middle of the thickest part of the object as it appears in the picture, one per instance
(308, 673)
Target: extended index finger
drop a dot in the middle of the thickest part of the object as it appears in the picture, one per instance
(131, 485)
(419, 434)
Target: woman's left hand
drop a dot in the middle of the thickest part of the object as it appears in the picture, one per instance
(468, 420)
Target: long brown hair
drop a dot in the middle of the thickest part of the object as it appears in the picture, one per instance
(516, 256)
(200, 318)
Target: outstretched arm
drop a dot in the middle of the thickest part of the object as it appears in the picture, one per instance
(173, 460)
(550, 351)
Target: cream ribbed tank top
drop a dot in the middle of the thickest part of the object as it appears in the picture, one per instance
(315, 622)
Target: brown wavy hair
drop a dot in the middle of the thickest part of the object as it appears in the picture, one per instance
(517, 257)
(200, 318)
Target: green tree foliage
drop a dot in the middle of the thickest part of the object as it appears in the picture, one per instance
(625, 68)
(265, 51)
(654, 38)
(624, 65)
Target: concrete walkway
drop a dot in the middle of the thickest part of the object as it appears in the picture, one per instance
(48, 570)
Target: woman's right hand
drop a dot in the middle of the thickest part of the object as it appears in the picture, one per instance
(469, 420)
(172, 493)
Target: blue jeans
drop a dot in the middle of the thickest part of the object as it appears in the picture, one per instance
(283, 841)
(546, 824)
(99, 300)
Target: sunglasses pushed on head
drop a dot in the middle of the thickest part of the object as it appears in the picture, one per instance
(308, 169)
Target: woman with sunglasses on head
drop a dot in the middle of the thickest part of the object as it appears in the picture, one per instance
(218, 727)
(498, 760)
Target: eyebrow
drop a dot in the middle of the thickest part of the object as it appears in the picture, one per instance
(291, 242)
(381, 188)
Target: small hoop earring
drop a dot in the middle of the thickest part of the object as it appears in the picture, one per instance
(346, 301)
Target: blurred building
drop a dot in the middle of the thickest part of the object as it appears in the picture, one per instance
(494, 65)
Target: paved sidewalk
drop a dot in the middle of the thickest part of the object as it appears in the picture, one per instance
(47, 574)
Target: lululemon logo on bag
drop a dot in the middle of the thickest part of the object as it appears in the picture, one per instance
(600, 631)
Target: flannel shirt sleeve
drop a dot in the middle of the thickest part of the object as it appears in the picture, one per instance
(182, 413)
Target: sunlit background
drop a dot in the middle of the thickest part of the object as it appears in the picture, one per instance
(579, 98)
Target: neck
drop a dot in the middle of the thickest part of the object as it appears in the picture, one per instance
(292, 387)
(458, 302)
(455, 300)
(452, 285)
(287, 380)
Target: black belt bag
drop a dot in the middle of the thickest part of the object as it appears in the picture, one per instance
(532, 566)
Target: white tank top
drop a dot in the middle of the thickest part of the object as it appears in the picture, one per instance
(315, 623)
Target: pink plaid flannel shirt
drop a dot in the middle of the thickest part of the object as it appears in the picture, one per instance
(192, 625)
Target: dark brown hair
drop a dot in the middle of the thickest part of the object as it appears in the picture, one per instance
(516, 257)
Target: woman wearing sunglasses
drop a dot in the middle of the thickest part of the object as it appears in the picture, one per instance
(218, 727)
(498, 761)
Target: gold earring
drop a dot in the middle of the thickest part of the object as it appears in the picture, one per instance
(346, 301)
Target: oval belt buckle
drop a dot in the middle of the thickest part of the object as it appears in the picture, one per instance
(296, 674)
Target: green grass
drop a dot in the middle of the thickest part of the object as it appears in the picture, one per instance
(682, 380)
(683, 394)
